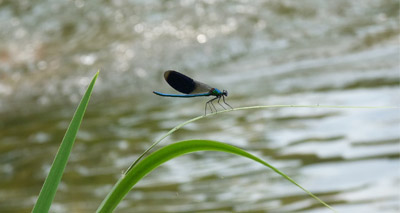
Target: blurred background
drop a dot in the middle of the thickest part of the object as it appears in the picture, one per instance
(313, 52)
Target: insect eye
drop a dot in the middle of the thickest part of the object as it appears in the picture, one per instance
(225, 93)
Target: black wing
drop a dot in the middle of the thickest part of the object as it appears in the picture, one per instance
(180, 82)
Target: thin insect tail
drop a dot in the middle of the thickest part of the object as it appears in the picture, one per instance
(155, 92)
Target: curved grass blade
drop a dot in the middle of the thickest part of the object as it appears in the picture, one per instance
(49, 188)
(249, 108)
(144, 167)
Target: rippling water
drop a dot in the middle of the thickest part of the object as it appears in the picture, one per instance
(263, 52)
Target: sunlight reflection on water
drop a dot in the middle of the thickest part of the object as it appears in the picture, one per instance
(263, 53)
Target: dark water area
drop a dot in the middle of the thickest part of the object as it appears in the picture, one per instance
(343, 53)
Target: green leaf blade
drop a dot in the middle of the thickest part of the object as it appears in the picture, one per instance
(49, 188)
(144, 167)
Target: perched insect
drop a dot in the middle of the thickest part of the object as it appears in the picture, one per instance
(192, 88)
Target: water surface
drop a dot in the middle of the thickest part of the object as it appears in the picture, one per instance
(263, 52)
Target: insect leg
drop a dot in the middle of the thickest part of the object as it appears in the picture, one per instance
(223, 98)
(209, 103)
(219, 98)
(213, 104)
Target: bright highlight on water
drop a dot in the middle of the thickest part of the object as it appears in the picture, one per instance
(192, 88)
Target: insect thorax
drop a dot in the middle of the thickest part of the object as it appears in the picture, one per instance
(215, 92)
